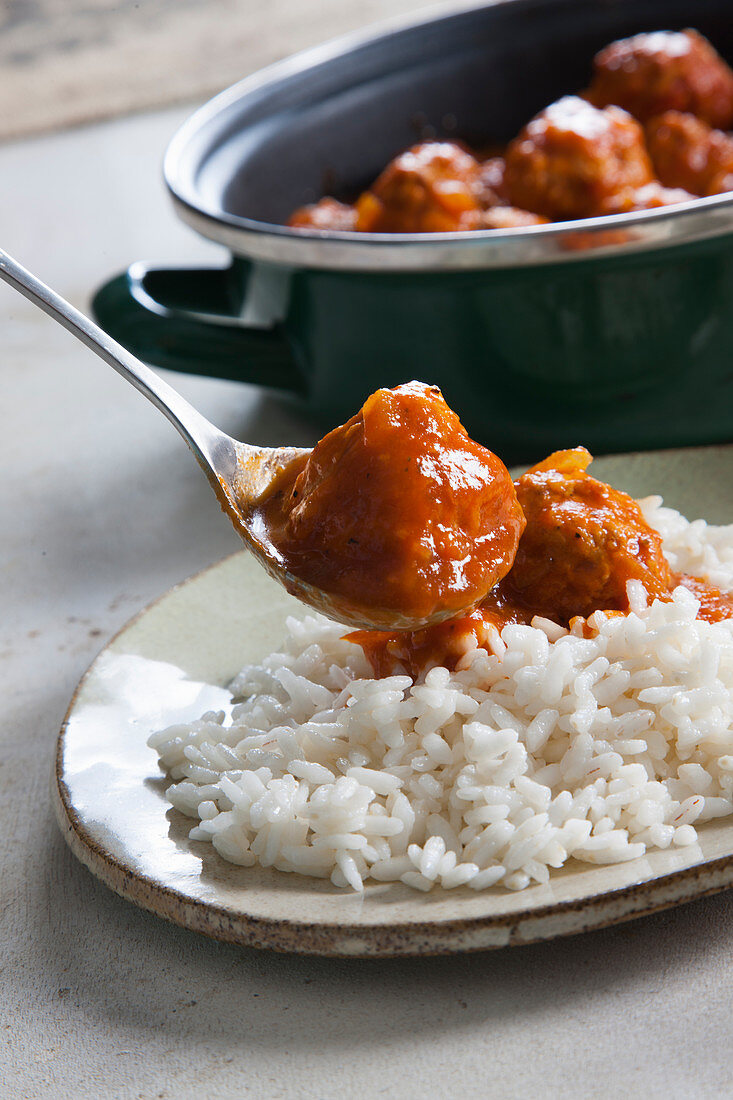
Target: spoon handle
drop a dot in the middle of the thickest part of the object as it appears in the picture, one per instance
(206, 441)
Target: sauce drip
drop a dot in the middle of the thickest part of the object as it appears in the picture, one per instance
(583, 542)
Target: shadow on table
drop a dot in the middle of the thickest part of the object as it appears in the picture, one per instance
(118, 962)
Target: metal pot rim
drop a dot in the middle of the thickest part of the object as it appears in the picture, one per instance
(530, 246)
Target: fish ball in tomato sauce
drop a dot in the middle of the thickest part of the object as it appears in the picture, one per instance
(583, 542)
(397, 511)
(572, 158)
(431, 188)
(688, 153)
(326, 214)
(664, 71)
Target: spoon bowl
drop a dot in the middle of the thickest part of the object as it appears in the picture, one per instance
(239, 473)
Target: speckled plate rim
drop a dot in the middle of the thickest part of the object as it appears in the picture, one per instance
(523, 925)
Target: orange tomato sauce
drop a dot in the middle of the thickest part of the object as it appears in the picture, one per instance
(397, 511)
(585, 155)
(583, 542)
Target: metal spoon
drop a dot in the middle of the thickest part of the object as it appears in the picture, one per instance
(238, 473)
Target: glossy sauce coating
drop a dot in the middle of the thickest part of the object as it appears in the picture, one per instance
(326, 214)
(583, 541)
(580, 157)
(664, 71)
(397, 511)
(432, 188)
(688, 153)
(714, 604)
(510, 217)
(572, 157)
(649, 197)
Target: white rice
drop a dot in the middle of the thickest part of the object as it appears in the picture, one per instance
(543, 746)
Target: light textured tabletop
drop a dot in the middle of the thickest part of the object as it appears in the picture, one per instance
(70, 61)
(102, 509)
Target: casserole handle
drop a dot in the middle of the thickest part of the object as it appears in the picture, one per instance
(190, 319)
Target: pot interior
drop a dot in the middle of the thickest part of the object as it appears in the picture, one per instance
(327, 124)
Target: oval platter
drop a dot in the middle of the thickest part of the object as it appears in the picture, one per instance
(173, 662)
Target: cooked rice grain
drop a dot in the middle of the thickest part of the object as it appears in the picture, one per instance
(544, 746)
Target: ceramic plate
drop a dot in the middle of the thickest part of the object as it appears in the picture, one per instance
(110, 803)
